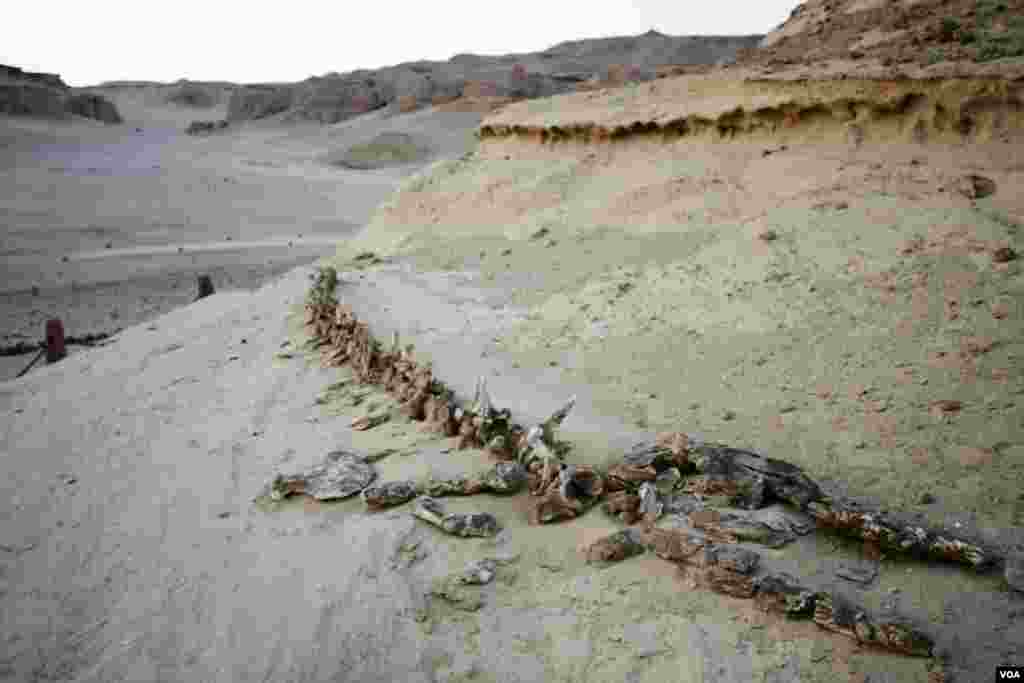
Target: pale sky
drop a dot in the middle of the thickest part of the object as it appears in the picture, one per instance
(248, 42)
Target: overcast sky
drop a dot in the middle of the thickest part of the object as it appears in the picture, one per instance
(90, 42)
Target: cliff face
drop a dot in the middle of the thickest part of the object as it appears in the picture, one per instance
(24, 93)
(43, 79)
(93, 106)
(896, 32)
(563, 68)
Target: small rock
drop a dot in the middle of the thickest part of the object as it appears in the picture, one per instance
(727, 582)
(975, 186)
(457, 593)
(861, 575)
(623, 505)
(782, 593)
(833, 205)
(366, 422)
(616, 547)
(340, 475)
(204, 287)
(670, 449)
(463, 524)
(479, 572)
(668, 480)
(926, 499)
(623, 476)
(733, 558)
(673, 545)
(767, 235)
(389, 494)
(552, 506)
(1003, 255)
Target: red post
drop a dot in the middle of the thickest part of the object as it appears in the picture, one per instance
(54, 340)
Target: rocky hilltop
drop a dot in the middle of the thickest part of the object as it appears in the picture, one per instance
(922, 32)
(24, 93)
(565, 67)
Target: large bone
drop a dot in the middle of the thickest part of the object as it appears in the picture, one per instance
(540, 439)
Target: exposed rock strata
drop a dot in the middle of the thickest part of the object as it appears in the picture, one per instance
(842, 110)
(563, 68)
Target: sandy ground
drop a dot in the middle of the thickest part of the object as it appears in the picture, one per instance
(113, 224)
(132, 549)
(644, 277)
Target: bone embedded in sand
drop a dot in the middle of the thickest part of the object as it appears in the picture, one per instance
(389, 494)
(463, 524)
(567, 492)
(623, 476)
(651, 506)
(751, 470)
(892, 535)
(340, 475)
(623, 505)
(504, 478)
(616, 547)
(366, 422)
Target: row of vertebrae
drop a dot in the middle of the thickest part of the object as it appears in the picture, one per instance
(750, 480)
(346, 341)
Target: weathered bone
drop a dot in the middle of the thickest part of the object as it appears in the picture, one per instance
(456, 523)
(650, 506)
(892, 535)
(751, 471)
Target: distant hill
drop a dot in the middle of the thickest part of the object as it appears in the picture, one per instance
(565, 67)
(24, 93)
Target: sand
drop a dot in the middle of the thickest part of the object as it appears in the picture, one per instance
(829, 343)
(633, 276)
(139, 214)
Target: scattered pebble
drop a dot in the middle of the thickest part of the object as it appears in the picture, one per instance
(1003, 255)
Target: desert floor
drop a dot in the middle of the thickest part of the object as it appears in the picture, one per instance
(132, 546)
(114, 224)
